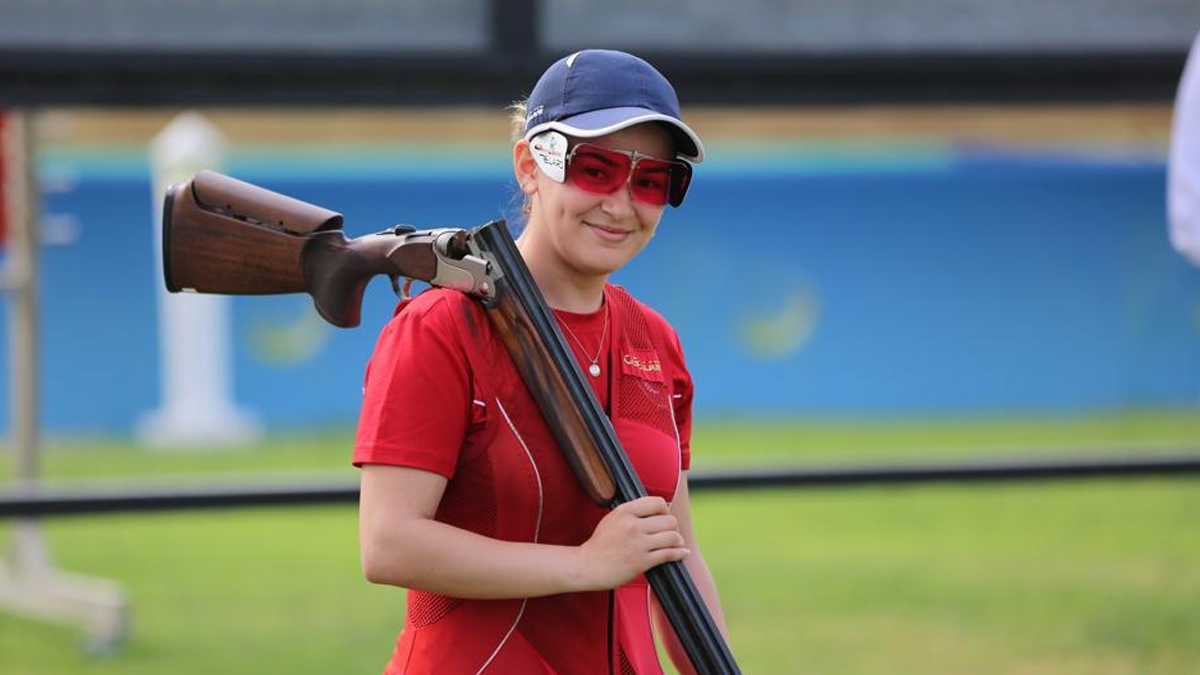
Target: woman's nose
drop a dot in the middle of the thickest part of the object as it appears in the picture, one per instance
(619, 202)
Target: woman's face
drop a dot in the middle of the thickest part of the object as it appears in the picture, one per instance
(592, 234)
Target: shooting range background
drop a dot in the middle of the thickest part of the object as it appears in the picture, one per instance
(854, 263)
(902, 276)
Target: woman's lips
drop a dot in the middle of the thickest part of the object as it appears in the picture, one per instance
(608, 233)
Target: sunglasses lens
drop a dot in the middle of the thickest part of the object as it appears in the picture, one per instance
(597, 170)
(654, 181)
(658, 182)
(681, 178)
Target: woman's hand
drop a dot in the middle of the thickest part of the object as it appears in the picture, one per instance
(631, 539)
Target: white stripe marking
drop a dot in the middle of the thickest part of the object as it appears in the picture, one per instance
(537, 474)
(678, 455)
(479, 403)
(593, 133)
(654, 639)
(506, 636)
(536, 531)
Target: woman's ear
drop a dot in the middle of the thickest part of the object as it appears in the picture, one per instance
(524, 167)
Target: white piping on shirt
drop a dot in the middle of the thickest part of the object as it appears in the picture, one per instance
(503, 641)
(678, 451)
(536, 531)
(479, 403)
(650, 622)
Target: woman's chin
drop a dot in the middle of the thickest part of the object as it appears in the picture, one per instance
(601, 263)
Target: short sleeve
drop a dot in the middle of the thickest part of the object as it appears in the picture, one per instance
(416, 406)
(681, 398)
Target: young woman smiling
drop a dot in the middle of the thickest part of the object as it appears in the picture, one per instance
(466, 500)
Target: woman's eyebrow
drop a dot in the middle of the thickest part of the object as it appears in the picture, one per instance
(603, 156)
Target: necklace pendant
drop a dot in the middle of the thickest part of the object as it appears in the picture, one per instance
(594, 369)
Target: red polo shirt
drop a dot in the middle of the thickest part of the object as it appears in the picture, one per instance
(419, 407)
(424, 407)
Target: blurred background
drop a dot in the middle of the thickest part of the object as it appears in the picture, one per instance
(926, 230)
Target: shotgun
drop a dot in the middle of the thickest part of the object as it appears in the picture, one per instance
(222, 235)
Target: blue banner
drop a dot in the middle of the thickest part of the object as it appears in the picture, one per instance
(923, 280)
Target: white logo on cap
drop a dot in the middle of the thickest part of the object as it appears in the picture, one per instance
(571, 59)
(549, 150)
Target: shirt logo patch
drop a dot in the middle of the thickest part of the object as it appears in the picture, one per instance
(644, 365)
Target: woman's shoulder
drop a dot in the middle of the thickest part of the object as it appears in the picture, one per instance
(434, 304)
(432, 301)
(658, 323)
(432, 314)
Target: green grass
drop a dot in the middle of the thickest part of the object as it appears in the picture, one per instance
(1087, 578)
(789, 442)
(1100, 577)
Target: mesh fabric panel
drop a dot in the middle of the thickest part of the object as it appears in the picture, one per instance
(479, 516)
(626, 666)
(641, 399)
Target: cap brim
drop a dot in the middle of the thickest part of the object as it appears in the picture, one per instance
(601, 122)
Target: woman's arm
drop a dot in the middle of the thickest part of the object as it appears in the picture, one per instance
(698, 568)
(402, 545)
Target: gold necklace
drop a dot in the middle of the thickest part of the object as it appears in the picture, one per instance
(594, 369)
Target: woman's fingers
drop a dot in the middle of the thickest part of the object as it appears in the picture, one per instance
(663, 540)
(666, 555)
(632, 538)
(653, 524)
(646, 506)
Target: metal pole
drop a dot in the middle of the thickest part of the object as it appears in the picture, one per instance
(29, 584)
(29, 550)
(22, 269)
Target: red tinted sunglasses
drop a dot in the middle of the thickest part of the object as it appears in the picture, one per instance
(603, 171)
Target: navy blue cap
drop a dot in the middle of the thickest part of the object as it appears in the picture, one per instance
(598, 91)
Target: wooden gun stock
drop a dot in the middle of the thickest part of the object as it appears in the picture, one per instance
(211, 249)
(522, 337)
(222, 235)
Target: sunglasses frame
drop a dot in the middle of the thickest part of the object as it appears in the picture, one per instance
(547, 146)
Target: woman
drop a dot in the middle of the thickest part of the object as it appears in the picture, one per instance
(466, 500)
